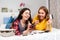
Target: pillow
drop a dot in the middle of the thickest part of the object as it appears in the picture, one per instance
(8, 21)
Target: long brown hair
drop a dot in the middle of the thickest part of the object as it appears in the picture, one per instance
(46, 11)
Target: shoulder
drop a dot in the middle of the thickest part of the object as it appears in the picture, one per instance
(16, 22)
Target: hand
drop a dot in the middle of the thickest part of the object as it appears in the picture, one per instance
(36, 22)
(25, 32)
(29, 26)
(49, 21)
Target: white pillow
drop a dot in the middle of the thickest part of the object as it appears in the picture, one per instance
(2, 26)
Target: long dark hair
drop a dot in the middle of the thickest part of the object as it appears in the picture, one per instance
(20, 15)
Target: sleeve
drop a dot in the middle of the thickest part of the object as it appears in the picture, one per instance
(15, 26)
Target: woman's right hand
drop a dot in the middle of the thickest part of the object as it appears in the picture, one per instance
(29, 26)
(36, 22)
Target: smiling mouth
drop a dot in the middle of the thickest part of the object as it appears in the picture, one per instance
(26, 17)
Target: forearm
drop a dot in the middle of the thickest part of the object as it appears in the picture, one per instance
(49, 28)
(26, 32)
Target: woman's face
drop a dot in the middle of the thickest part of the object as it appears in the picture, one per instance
(26, 15)
(41, 14)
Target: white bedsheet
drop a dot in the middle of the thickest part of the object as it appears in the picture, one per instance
(54, 35)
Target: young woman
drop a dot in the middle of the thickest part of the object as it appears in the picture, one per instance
(22, 24)
(42, 20)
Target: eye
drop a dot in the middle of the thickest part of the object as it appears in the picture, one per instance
(27, 13)
(42, 13)
(38, 12)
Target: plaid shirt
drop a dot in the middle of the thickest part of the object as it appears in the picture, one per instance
(15, 25)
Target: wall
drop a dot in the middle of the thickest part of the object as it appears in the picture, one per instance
(14, 5)
(55, 10)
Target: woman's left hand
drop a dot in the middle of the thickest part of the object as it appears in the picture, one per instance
(49, 21)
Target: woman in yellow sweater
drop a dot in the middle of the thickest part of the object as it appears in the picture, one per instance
(42, 20)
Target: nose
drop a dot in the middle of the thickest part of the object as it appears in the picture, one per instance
(28, 15)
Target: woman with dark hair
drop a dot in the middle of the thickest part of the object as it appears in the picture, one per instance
(42, 20)
(22, 24)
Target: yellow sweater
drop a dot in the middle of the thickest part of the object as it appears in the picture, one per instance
(41, 25)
